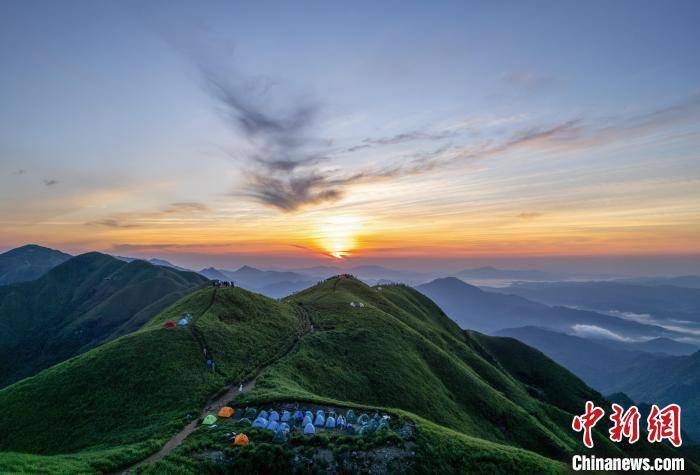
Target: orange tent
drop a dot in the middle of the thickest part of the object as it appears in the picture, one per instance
(241, 439)
(170, 324)
(226, 411)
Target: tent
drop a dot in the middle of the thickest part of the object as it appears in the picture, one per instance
(183, 321)
(251, 412)
(264, 414)
(321, 413)
(320, 420)
(169, 324)
(383, 424)
(245, 421)
(286, 416)
(309, 429)
(306, 421)
(279, 438)
(310, 414)
(273, 425)
(284, 427)
(260, 423)
(351, 417)
(340, 421)
(330, 423)
(226, 411)
(349, 430)
(331, 414)
(363, 419)
(241, 439)
(238, 415)
(298, 415)
(274, 416)
(209, 420)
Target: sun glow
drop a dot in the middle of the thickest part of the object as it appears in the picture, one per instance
(338, 235)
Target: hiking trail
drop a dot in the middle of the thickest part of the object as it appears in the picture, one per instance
(223, 396)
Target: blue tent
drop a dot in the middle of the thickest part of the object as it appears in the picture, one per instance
(284, 427)
(263, 414)
(273, 425)
(351, 417)
(274, 416)
(183, 321)
(309, 429)
(260, 423)
(306, 421)
(286, 416)
(279, 438)
(298, 415)
(363, 419)
(321, 413)
(330, 423)
(320, 420)
(340, 421)
(309, 413)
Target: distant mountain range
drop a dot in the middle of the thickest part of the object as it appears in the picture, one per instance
(506, 274)
(662, 304)
(85, 301)
(489, 312)
(28, 263)
(628, 368)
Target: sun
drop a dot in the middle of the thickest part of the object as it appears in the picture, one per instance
(337, 235)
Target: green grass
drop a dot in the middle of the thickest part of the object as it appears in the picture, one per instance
(480, 404)
(141, 387)
(90, 299)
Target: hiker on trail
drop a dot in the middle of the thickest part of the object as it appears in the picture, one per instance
(240, 388)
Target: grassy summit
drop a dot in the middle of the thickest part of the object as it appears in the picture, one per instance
(477, 402)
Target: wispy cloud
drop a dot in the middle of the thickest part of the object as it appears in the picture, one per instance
(140, 219)
(50, 182)
(594, 331)
(528, 215)
(19, 171)
(404, 137)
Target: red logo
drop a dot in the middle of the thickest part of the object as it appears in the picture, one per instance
(587, 421)
(665, 424)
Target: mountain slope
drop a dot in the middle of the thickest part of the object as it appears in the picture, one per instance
(79, 304)
(474, 308)
(476, 402)
(28, 263)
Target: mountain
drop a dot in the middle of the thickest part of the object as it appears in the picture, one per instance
(593, 361)
(653, 303)
(646, 377)
(28, 263)
(655, 345)
(214, 274)
(474, 308)
(689, 281)
(79, 304)
(270, 283)
(164, 263)
(674, 379)
(459, 402)
(506, 274)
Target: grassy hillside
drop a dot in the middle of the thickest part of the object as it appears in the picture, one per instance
(87, 300)
(131, 393)
(28, 263)
(475, 403)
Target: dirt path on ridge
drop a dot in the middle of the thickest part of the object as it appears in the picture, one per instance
(220, 398)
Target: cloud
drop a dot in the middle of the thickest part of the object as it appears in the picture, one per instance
(529, 215)
(404, 138)
(140, 219)
(50, 182)
(593, 331)
(19, 171)
(112, 223)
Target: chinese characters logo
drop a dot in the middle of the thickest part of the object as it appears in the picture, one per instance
(662, 424)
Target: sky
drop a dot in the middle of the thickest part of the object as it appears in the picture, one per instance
(421, 135)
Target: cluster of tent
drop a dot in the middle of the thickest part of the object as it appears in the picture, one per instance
(307, 422)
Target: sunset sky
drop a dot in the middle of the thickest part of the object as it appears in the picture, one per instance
(410, 134)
